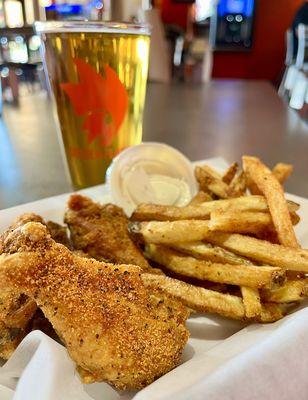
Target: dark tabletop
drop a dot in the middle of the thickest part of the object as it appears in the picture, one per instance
(222, 118)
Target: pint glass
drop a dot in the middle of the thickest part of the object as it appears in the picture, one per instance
(97, 73)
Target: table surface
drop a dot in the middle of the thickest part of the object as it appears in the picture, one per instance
(223, 118)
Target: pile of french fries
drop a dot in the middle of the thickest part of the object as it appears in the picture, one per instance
(233, 249)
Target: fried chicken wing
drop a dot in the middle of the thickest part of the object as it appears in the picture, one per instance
(18, 313)
(59, 234)
(113, 328)
(101, 232)
(16, 310)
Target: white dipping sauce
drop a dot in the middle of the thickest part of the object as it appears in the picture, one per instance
(151, 173)
(139, 186)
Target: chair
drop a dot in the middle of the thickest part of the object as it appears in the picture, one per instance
(299, 92)
(298, 82)
(302, 53)
(289, 60)
(290, 47)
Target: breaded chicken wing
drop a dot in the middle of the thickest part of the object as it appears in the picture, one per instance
(16, 309)
(18, 313)
(113, 328)
(101, 232)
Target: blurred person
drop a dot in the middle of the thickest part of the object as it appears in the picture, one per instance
(301, 17)
(175, 14)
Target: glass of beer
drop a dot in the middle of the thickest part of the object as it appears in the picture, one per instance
(97, 73)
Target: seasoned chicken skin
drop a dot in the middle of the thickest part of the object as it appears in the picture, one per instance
(101, 232)
(16, 309)
(18, 313)
(113, 328)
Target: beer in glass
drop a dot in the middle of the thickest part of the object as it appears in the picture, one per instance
(97, 72)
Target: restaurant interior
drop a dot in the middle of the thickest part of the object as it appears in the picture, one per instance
(225, 77)
(153, 199)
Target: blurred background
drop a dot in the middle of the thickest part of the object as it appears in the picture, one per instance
(226, 77)
(192, 41)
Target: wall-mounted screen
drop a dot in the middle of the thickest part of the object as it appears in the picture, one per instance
(244, 7)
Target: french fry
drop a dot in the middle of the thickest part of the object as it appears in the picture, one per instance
(291, 291)
(237, 187)
(274, 195)
(208, 252)
(165, 232)
(282, 172)
(243, 222)
(230, 173)
(295, 218)
(261, 250)
(251, 301)
(200, 197)
(197, 298)
(249, 222)
(210, 181)
(210, 171)
(204, 300)
(242, 275)
(253, 188)
(150, 212)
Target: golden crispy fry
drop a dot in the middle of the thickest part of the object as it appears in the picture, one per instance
(261, 250)
(229, 185)
(242, 275)
(210, 181)
(274, 195)
(208, 252)
(282, 172)
(204, 300)
(201, 197)
(150, 212)
(210, 171)
(164, 232)
(253, 188)
(291, 291)
(251, 300)
(243, 222)
(249, 222)
(197, 298)
(295, 218)
(230, 173)
(237, 187)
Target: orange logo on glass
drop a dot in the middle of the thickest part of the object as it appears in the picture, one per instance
(101, 100)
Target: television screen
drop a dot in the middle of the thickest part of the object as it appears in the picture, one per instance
(66, 9)
(244, 7)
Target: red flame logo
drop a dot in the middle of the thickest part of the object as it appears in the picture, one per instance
(102, 100)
